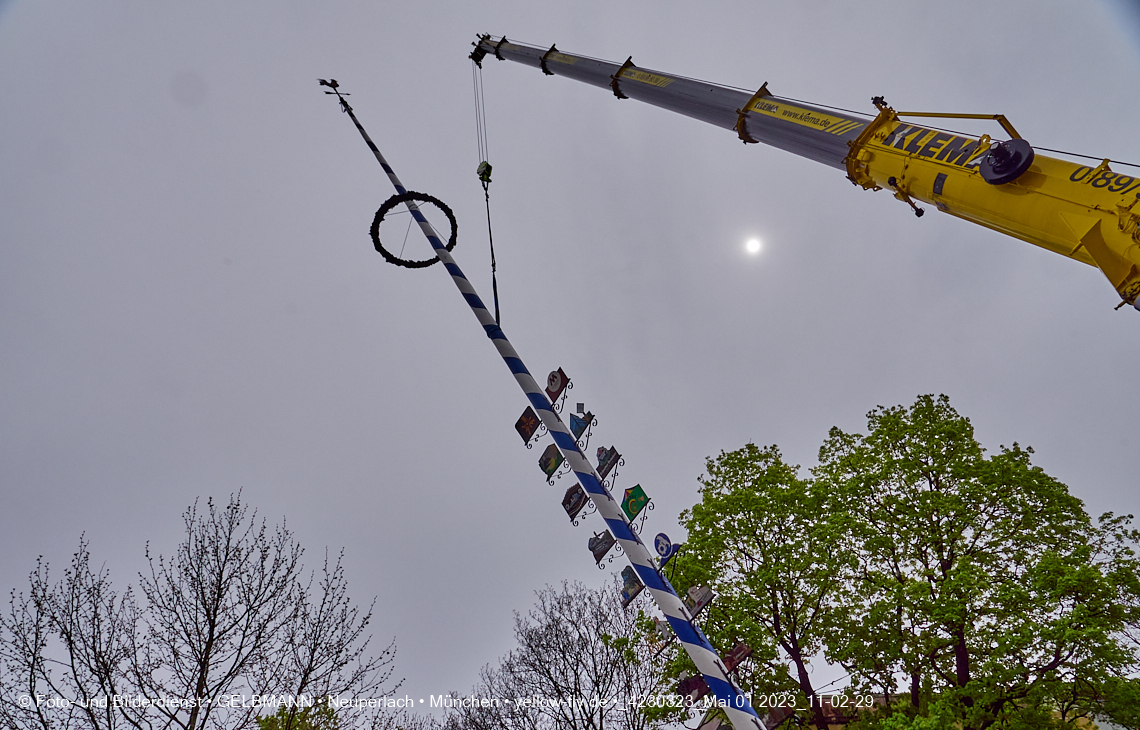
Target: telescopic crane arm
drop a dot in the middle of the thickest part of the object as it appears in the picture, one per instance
(1085, 212)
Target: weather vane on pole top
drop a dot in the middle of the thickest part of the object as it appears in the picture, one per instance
(332, 84)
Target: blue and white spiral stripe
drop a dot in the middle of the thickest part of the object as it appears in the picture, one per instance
(704, 656)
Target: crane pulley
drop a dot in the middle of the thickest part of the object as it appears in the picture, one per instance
(1084, 212)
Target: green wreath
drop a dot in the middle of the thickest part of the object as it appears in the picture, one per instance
(392, 202)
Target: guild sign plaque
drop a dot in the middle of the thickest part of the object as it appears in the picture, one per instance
(607, 458)
(574, 501)
(556, 383)
(578, 423)
(631, 585)
(694, 687)
(697, 597)
(739, 653)
(600, 544)
(634, 501)
(527, 424)
(665, 548)
(550, 460)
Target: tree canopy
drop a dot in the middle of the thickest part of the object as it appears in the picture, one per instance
(757, 540)
(976, 583)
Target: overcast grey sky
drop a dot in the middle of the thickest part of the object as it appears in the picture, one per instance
(190, 303)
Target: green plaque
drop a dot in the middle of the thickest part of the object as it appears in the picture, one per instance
(634, 501)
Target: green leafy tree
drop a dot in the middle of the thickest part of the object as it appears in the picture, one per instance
(318, 716)
(911, 553)
(979, 578)
(769, 546)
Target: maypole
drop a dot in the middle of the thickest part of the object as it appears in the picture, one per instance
(729, 698)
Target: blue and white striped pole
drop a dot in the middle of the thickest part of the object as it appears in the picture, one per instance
(733, 701)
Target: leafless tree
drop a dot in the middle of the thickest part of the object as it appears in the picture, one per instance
(581, 664)
(67, 641)
(325, 642)
(230, 613)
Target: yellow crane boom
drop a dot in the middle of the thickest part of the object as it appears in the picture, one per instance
(1089, 213)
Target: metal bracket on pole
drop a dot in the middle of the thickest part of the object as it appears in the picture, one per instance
(741, 126)
(614, 79)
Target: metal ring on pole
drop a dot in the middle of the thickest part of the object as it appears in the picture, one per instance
(392, 202)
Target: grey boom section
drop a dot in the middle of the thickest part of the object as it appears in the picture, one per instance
(717, 105)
